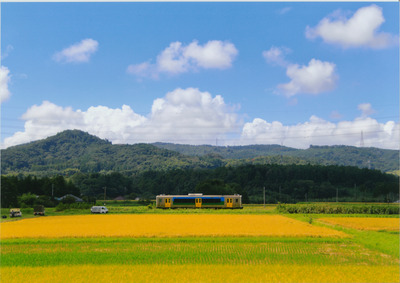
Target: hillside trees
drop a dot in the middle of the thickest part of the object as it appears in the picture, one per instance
(283, 183)
(14, 187)
(95, 184)
(74, 151)
(289, 183)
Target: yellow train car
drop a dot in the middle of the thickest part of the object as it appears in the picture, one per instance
(199, 201)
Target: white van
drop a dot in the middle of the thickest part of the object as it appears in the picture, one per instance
(99, 209)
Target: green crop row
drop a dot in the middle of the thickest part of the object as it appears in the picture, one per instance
(120, 251)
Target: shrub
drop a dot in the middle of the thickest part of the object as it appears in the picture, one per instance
(64, 206)
(337, 209)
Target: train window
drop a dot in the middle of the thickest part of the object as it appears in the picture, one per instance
(237, 200)
(184, 201)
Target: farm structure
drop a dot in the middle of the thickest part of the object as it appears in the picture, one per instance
(15, 212)
(38, 210)
(199, 201)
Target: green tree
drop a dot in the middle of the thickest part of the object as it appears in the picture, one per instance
(27, 199)
(213, 187)
(9, 191)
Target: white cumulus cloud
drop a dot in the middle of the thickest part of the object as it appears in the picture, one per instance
(366, 109)
(276, 55)
(214, 54)
(315, 78)
(4, 81)
(362, 29)
(181, 116)
(179, 58)
(77, 53)
(172, 59)
(318, 131)
(189, 116)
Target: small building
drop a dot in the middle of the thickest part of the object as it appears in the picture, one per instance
(119, 198)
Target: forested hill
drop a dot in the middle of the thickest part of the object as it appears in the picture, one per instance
(384, 160)
(76, 151)
(73, 150)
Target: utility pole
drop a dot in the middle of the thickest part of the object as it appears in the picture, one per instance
(280, 198)
(105, 189)
(355, 190)
(337, 194)
(52, 190)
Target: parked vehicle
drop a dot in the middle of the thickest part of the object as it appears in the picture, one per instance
(15, 212)
(99, 209)
(38, 210)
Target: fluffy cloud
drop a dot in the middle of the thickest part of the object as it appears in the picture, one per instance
(189, 116)
(178, 58)
(366, 109)
(4, 81)
(182, 116)
(315, 78)
(214, 54)
(77, 53)
(172, 59)
(317, 131)
(48, 119)
(276, 55)
(362, 29)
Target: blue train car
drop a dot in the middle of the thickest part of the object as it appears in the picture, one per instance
(199, 201)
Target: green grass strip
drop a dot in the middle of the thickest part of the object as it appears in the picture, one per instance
(189, 252)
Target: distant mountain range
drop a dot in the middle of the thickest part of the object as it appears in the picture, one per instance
(74, 151)
(384, 160)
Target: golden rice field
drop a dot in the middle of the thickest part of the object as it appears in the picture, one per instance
(157, 225)
(196, 248)
(201, 273)
(365, 223)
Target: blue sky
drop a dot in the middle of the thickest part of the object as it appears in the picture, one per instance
(294, 74)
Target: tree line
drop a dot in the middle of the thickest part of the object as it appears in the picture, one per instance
(281, 183)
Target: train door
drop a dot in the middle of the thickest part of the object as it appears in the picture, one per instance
(167, 202)
(198, 202)
(229, 202)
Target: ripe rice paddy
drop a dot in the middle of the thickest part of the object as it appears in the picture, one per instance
(202, 273)
(193, 248)
(153, 225)
(366, 223)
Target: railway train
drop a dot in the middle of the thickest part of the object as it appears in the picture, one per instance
(199, 201)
